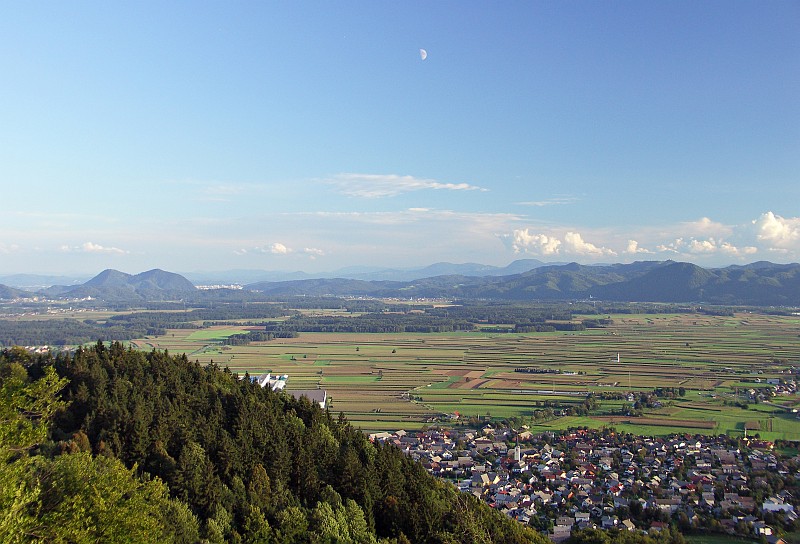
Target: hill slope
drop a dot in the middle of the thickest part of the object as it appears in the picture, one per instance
(10, 293)
(113, 285)
(255, 465)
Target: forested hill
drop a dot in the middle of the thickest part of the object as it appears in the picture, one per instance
(9, 293)
(756, 284)
(252, 465)
(113, 285)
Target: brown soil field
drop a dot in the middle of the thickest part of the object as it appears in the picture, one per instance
(464, 373)
(471, 384)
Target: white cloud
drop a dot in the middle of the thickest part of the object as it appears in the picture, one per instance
(671, 247)
(555, 201)
(706, 239)
(387, 185)
(707, 227)
(91, 247)
(522, 240)
(690, 244)
(278, 248)
(493, 221)
(730, 249)
(313, 252)
(710, 246)
(574, 243)
(703, 246)
(6, 249)
(701, 237)
(706, 246)
(779, 232)
(633, 248)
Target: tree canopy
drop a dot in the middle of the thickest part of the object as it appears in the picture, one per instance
(176, 448)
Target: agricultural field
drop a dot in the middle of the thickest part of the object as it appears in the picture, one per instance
(408, 380)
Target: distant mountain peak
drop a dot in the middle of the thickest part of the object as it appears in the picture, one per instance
(114, 285)
(108, 277)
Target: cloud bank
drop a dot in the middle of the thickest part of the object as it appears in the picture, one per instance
(700, 240)
(10, 248)
(389, 185)
(91, 247)
(555, 201)
(572, 243)
(278, 248)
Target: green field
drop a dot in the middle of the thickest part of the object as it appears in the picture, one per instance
(389, 381)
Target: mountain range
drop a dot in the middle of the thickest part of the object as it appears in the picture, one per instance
(758, 284)
(363, 273)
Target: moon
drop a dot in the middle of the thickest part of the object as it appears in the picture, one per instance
(423, 54)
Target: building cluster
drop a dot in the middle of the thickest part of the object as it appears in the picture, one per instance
(278, 383)
(601, 479)
(775, 387)
(37, 350)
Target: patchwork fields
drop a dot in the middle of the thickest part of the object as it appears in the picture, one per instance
(390, 381)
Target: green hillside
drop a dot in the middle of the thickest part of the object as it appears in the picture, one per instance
(240, 463)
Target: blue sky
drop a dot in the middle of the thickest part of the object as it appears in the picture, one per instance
(310, 136)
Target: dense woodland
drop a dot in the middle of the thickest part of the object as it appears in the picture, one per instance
(63, 332)
(227, 460)
(375, 323)
(255, 336)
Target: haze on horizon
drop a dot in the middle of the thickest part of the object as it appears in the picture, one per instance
(245, 135)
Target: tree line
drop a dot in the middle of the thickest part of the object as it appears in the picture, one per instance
(255, 336)
(371, 323)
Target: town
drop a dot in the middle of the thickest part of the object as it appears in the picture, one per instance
(580, 479)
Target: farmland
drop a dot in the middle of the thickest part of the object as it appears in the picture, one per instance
(408, 380)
